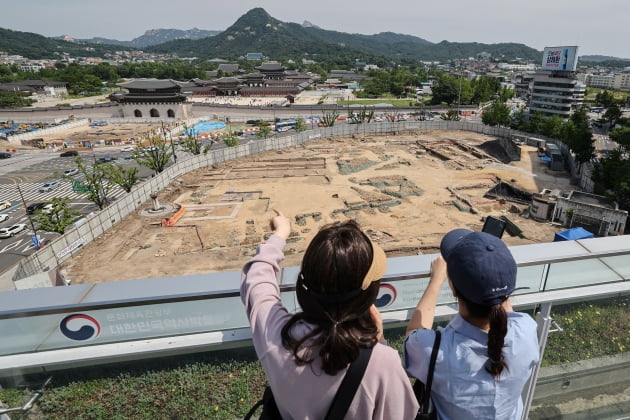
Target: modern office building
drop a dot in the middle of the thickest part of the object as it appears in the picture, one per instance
(555, 89)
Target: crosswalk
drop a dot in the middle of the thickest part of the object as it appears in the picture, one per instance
(30, 193)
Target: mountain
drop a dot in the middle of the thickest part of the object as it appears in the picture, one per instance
(36, 46)
(257, 31)
(600, 58)
(156, 36)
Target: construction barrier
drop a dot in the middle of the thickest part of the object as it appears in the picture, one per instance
(174, 218)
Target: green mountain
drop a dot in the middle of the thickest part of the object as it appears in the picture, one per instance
(156, 36)
(257, 31)
(36, 46)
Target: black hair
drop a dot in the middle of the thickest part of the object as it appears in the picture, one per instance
(496, 335)
(329, 293)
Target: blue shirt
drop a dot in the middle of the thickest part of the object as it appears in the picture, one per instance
(462, 388)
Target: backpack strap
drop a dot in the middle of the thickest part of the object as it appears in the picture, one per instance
(434, 352)
(349, 385)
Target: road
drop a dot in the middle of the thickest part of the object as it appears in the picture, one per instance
(23, 174)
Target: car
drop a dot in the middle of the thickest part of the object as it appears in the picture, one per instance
(127, 149)
(69, 153)
(5, 155)
(7, 232)
(70, 172)
(5, 205)
(105, 159)
(4, 217)
(49, 186)
(47, 209)
(31, 208)
(150, 148)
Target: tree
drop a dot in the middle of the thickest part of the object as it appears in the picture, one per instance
(230, 140)
(299, 124)
(612, 177)
(578, 136)
(498, 113)
(506, 93)
(450, 115)
(535, 122)
(552, 127)
(155, 156)
(328, 120)
(622, 137)
(192, 145)
(612, 115)
(605, 98)
(126, 178)
(264, 129)
(519, 120)
(58, 218)
(483, 88)
(452, 90)
(93, 183)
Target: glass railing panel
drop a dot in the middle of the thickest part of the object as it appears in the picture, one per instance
(620, 264)
(579, 273)
(531, 277)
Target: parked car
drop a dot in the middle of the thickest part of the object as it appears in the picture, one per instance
(7, 232)
(47, 208)
(49, 186)
(127, 149)
(5, 155)
(69, 153)
(70, 172)
(4, 217)
(104, 159)
(5, 205)
(30, 209)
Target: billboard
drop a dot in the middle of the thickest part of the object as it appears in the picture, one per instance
(560, 58)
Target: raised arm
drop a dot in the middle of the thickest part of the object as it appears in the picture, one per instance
(425, 309)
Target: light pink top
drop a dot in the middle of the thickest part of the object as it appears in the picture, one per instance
(306, 392)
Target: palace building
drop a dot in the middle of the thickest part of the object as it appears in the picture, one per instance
(152, 98)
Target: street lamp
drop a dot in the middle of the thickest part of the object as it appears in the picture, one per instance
(459, 96)
(35, 238)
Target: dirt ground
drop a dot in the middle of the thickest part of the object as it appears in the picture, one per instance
(394, 186)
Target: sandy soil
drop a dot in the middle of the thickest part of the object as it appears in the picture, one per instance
(394, 186)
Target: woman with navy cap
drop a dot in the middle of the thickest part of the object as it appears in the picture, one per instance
(305, 355)
(487, 352)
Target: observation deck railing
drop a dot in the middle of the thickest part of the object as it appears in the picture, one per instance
(55, 328)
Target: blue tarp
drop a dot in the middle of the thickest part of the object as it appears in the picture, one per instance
(572, 234)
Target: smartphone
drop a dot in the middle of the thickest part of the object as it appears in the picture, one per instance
(494, 226)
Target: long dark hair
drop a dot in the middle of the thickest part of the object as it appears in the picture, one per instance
(496, 336)
(329, 292)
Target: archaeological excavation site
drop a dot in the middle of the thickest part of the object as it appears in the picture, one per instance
(406, 191)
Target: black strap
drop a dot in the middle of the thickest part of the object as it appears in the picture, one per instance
(349, 386)
(434, 352)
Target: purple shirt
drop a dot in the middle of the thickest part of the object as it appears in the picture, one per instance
(306, 392)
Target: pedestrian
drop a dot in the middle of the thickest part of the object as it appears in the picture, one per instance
(305, 355)
(487, 352)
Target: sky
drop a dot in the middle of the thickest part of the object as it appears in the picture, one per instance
(600, 27)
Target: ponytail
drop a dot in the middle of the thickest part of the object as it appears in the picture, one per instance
(496, 336)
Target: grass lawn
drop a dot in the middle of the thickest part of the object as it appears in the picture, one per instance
(224, 385)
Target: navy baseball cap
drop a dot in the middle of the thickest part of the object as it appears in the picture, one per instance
(479, 265)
